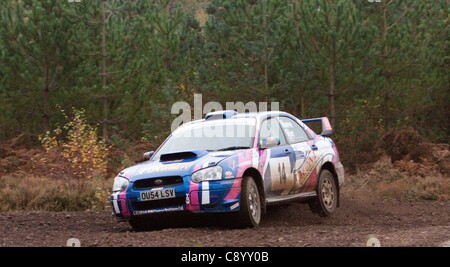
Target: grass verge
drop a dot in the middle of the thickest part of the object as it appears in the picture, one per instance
(45, 194)
(408, 181)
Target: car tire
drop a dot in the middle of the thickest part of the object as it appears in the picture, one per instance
(250, 205)
(327, 195)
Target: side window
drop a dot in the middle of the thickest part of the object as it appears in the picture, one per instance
(294, 132)
(271, 128)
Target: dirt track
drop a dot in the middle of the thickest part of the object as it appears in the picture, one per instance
(394, 224)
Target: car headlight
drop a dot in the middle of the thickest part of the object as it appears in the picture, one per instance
(207, 174)
(120, 184)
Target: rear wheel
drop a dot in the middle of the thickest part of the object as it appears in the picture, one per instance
(327, 195)
(250, 211)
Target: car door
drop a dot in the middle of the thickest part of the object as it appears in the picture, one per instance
(305, 156)
(280, 160)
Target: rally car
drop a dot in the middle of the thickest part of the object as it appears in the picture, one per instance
(235, 163)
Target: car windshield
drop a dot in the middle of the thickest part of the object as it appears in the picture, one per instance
(216, 135)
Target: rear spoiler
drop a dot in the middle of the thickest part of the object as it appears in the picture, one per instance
(326, 126)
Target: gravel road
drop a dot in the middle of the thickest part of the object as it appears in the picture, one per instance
(394, 224)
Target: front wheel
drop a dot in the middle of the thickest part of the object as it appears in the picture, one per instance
(327, 195)
(250, 211)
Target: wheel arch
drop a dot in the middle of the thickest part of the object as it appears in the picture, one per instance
(329, 166)
(260, 183)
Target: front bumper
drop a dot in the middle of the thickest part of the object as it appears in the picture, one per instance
(212, 196)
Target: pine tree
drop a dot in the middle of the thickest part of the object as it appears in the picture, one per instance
(245, 40)
(36, 58)
(334, 34)
(405, 63)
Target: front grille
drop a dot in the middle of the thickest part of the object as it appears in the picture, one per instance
(156, 204)
(163, 181)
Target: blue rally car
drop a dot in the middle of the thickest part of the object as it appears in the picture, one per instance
(234, 163)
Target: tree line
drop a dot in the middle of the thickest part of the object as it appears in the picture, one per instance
(369, 66)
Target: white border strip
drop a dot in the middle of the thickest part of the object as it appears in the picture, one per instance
(205, 193)
(115, 203)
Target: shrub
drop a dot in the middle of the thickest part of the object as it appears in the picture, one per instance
(396, 181)
(85, 153)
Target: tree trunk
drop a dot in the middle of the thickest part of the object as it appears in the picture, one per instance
(332, 87)
(301, 90)
(45, 121)
(332, 23)
(332, 72)
(266, 55)
(104, 97)
(386, 72)
(300, 107)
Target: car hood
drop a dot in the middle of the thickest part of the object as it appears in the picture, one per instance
(176, 164)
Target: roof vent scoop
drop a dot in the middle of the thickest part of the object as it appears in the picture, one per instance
(182, 155)
(220, 115)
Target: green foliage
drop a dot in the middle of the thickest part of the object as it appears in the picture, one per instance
(247, 50)
(36, 61)
(383, 65)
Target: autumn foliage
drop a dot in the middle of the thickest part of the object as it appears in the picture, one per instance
(79, 146)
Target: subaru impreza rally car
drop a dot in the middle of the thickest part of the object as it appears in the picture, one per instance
(233, 163)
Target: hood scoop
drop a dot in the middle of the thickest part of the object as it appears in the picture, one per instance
(183, 155)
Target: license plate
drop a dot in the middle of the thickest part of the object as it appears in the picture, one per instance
(158, 194)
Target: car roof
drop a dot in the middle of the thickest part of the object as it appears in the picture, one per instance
(260, 115)
(256, 115)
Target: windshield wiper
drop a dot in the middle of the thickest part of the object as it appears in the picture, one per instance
(233, 148)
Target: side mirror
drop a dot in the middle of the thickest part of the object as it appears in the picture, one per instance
(148, 155)
(269, 142)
